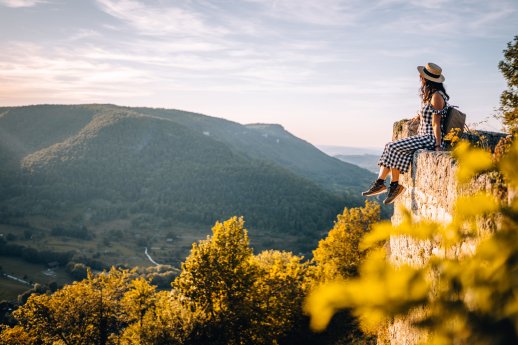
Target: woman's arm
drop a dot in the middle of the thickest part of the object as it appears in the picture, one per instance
(438, 104)
(436, 125)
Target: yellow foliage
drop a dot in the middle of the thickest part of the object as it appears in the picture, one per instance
(509, 165)
(15, 336)
(166, 321)
(246, 298)
(323, 303)
(471, 161)
(82, 312)
(383, 230)
(473, 300)
(467, 210)
(453, 136)
(383, 292)
(468, 207)
(277, 294)
(138, 300)
(338, 255)
(218, 272)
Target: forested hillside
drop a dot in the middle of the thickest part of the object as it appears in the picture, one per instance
(146, 174)
(271, 142)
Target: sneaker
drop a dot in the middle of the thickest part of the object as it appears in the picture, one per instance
(393, 193)
(376, 188)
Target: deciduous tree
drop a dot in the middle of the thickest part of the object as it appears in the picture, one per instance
(338, 256)
(509, 98)
(278, 293)
(217, 279)
(85, 312)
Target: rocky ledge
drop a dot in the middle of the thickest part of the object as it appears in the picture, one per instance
(431, 191)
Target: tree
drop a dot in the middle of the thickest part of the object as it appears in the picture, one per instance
(278, 293)
(85, 312)
(15, 336)
(217, 279)
(140, 298)
(156, 318)
(509, 98)
(338, 256)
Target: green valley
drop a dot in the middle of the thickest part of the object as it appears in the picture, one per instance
(98, 184)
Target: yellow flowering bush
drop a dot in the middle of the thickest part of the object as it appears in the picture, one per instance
(453, 136)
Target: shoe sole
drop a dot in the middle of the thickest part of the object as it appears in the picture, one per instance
(392, 201)
(377, 193)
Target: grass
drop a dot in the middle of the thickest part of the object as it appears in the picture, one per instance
(10, 289)
(32, 272)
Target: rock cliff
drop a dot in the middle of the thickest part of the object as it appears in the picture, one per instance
(431, 190)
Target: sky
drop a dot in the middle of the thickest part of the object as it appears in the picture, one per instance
(332, 72)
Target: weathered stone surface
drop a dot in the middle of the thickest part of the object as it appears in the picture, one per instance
(407, 128)
(431, 191)
(404, 129)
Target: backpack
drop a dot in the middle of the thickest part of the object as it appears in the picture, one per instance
(454, 119)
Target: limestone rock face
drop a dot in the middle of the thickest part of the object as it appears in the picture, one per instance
(431, 191)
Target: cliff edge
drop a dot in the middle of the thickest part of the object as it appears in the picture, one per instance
(431, 190)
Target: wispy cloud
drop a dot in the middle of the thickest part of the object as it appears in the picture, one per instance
(21, 3)
(493, 14)
(427, 4)
(30, 69)
(322, 13)
(334, 58)
(446, 18)
(205, 38)
(157, 19)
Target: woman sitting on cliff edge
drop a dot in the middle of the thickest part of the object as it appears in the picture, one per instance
(397, 155)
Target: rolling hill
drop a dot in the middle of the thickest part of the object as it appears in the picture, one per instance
(156, 171)
(271, 142)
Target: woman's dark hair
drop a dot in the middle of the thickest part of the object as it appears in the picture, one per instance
(429, 87)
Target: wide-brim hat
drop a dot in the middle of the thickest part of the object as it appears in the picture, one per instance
(431, 72)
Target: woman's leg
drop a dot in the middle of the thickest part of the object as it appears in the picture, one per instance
(398, 156)
(400, 153)
(383, 172)
(395, 175)
(378, 186)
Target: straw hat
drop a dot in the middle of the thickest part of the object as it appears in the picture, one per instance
(431, 72)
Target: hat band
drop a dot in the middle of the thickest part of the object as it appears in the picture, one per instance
(431, 74)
